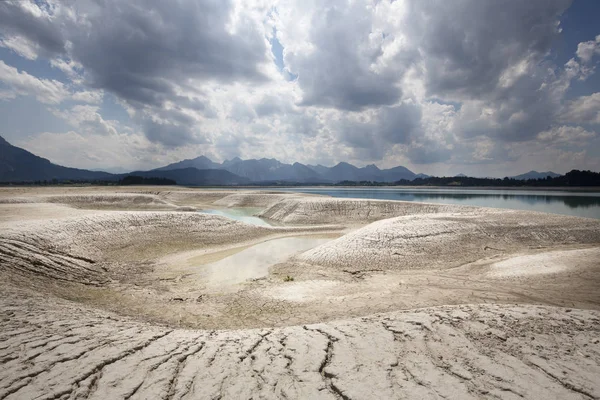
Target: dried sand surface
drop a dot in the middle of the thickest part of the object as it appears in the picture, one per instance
(102, 299)
(319, 210)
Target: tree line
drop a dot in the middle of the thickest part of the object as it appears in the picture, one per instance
(571, 178)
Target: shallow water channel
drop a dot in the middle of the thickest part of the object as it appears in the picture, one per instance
(254, 262)
(239, 214)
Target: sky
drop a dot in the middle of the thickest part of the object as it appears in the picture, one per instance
(480, 87)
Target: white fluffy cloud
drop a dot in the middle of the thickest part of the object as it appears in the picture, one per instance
(21, 83)
(587, 50)
(88, 120)
(585, 109)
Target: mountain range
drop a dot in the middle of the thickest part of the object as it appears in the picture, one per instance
(271, 170)
(19, 165)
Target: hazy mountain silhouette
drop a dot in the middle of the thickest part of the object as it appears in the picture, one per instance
(198, 162)
(195, 177)
(535, 175)
(254, 170)
(272, 170)
(19, 165)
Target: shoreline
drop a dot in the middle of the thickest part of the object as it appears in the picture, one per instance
(583, 189)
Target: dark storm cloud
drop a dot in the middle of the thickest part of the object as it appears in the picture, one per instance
(141, 50)
(491, 54)
(496, 55)
(171, 135)
(146, 52)
(428, 153)
(468, 45)
(517, 115)
(16, 19)
(397, 124)
(391, 125)
(337, 73)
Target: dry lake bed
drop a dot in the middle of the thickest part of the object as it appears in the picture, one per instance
(178, 293)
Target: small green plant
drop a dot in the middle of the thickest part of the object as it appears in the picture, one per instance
(288, 279)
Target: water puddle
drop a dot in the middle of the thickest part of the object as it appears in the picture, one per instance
(239, 214)
(254, 262)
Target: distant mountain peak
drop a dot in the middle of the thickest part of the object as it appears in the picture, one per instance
(535, 175)
(343, 164)
(19, 165)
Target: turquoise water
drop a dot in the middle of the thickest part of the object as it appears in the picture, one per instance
(581, 204)
(239, 214)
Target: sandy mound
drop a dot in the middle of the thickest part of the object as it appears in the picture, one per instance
(257, 199)
(319, 210)
(552, 262)
(10, 213)
(126, 235)
(121, 201)
(446, 240)
(87, 199)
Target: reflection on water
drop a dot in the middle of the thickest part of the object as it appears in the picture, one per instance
(254, 262)
(239, 214)
(582, 204)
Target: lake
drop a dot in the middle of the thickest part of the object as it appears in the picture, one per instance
(580, 204)
(254, 262)
(239, 214)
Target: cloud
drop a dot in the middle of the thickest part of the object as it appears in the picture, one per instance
(149, 54)
(88, 120)
(129, 151)
(32, 24)
(144, 51)
(21, 46)
(571, 135)
(372, 134)
(587, 50)
(21, 83)
(48, 91)
(88, 96)
(585, 109)
(422, 83)
(471, 49)
(337, 59)
(171, 134)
